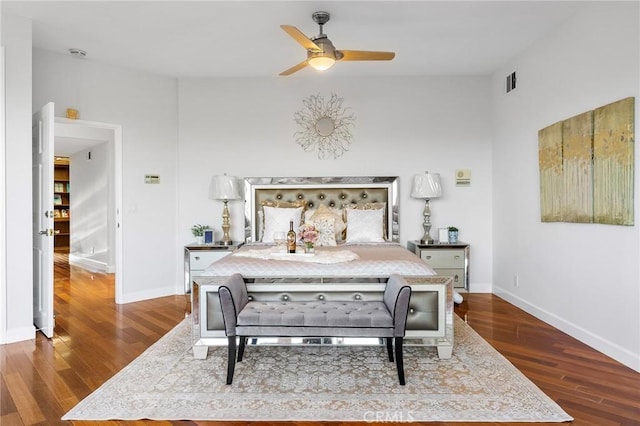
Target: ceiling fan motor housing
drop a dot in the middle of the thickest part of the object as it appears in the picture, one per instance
(328, 49)
(320, 17)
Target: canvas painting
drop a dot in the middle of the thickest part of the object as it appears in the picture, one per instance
(613, 160)
(587, 165)
(551, 178)
(577, 171)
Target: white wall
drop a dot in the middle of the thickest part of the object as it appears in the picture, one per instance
(16, 37)
(91, 171)
(404, 126)
(145, 106)
(582, 278)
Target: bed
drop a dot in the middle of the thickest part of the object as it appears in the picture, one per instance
(358, 223)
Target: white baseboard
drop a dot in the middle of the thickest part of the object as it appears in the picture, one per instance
(148, 294)
(89, 264)
(599, 343)
(480, 287)
(19, 334)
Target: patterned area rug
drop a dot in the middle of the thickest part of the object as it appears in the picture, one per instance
(344, 383)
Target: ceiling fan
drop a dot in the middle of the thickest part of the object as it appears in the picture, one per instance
(322, 54)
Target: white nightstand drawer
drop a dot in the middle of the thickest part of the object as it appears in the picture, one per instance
(443, 258)
(198, 256)
(200, 259)
(456, 274)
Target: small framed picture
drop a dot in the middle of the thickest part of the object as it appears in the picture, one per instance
(208, 236)
(443, 235)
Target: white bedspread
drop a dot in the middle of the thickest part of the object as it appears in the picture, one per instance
(320, 256)
(373, 261)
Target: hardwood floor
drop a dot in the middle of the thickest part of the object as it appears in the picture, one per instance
(42, 379)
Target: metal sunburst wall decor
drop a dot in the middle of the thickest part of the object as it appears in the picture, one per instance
(325, 126)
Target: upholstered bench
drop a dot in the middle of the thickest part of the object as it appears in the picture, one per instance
(384, 319)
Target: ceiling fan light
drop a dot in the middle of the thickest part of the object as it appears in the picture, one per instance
(321, 63)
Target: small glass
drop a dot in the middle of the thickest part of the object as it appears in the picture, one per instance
(280, 238)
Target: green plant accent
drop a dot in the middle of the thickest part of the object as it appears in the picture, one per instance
(453, 228)
(198, 230)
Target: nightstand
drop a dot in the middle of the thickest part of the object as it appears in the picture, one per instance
(445, 259)
(198, 256)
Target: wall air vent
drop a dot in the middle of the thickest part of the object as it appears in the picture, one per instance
(511, 82)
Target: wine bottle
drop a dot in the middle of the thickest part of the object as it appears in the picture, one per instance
(291, 239)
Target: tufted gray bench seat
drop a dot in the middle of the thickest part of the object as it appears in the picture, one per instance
(385, 319)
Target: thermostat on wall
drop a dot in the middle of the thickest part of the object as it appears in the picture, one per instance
(151, 178)
(463, 177)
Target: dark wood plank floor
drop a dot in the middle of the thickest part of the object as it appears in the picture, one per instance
(42, 379)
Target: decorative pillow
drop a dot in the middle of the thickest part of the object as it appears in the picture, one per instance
(308, 214)
(365, 226)
(274, 203)
(277, 220)
(324, 212)
(326, 233)
(367, 206)
(284, 204)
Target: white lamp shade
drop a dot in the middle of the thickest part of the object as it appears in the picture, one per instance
(426, 186)
(225, 188)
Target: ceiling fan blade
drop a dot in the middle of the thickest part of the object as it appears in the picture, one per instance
(300, 38)
(364, 55)
(294, 68)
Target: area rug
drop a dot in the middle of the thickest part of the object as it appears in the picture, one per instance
(320, 383)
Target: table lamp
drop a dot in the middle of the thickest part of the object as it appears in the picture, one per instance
(426, 186)
(225, 188)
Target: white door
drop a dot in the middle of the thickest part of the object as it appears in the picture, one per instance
(42, 163)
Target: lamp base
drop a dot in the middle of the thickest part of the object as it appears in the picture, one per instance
(426, 238)
(225, 243)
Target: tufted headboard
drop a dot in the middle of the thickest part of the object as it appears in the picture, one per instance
(333, 192)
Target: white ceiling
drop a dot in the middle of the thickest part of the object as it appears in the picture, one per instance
(242, 38)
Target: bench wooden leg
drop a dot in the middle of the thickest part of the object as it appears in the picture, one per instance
(399, 361)
(389, 341)
(231, 359)
(243, 343)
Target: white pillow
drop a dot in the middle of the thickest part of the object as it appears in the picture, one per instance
(326, 234)
(276, 219)
(365, 226)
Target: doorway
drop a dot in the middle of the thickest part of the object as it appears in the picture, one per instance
(95, 163)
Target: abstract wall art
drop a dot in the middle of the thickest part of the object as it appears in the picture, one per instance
(587, 166)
